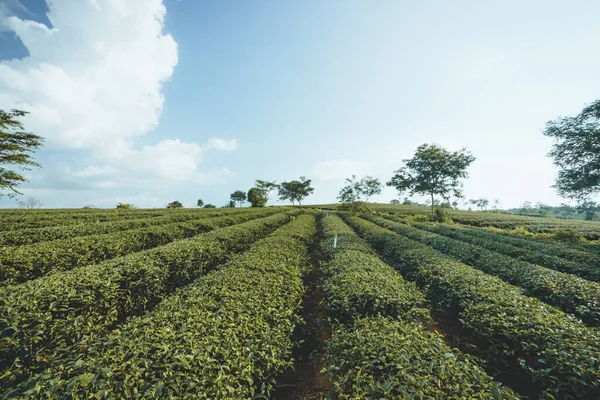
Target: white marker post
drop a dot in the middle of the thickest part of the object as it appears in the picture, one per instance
(335, 241)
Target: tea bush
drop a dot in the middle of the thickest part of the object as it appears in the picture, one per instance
(515, 332)
(46, 316)
(383, 348)
(568, 292)
(19, 264)
(227, 335)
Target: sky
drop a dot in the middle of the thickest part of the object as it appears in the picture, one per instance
(149, 101)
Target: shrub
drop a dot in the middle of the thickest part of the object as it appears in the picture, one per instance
(43, 318)
(571, 293)
(515, 332)
(569, 236)
(440, 215)
(383, 358)
(421, 218)
(550, 255)
(355, 207)
(19, 264)
(383, 349)
(227, 335)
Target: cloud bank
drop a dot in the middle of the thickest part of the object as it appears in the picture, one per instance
(93, 82)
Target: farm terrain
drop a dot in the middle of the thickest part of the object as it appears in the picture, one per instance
(298, 303)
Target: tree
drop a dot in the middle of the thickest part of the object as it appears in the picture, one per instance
(433, 171)
(482, 203)
(199, 203)
(351, 192)
(266, 187)
(526, 208)
(543, 209)
(295, 190)
(445, 204)
(370, 187)
(256, 197)
(231, 204)
(588, 209)
(576, 151)
(395, 201)
(209, 206)
(496, 205)
(175, 204)
(16, 147)
(238, 196)
(355, 191)
(30, 204)
(125, 206)
(565, 210)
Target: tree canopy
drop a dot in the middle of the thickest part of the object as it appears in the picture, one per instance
(588, 208)
(238, 196)
(30, 204)
(576, 151)
(256, 197)
(295, 190)
(199, 203)
(433, 171)
(266, 187)
(231, 204)
(209, 206)
(16, 148)
(175, 204)
(482, 203)
(359, 190)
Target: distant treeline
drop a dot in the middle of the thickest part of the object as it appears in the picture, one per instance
(564, 211)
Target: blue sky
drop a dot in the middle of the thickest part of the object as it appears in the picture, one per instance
(147, 101)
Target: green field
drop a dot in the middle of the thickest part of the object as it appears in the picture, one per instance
(312, 302)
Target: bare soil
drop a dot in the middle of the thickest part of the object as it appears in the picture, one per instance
(304, 380)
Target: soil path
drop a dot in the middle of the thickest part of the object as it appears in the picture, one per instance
(305, 380)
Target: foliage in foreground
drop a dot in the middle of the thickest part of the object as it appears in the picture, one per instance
(514, 332)
(579, 263)
(571, 293)
(225, 336)
(25, 236)
(382, 347)
(18, 264)
(385, 358)
(46, 317)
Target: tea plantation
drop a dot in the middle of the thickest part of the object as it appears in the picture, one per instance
(299, 303)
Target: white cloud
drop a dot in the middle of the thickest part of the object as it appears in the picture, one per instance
(93, 170)
(94, 82)
(96, 76)
(221, 175)
(170, 162)
(169, 159)
(339, 170)
(222, 144)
